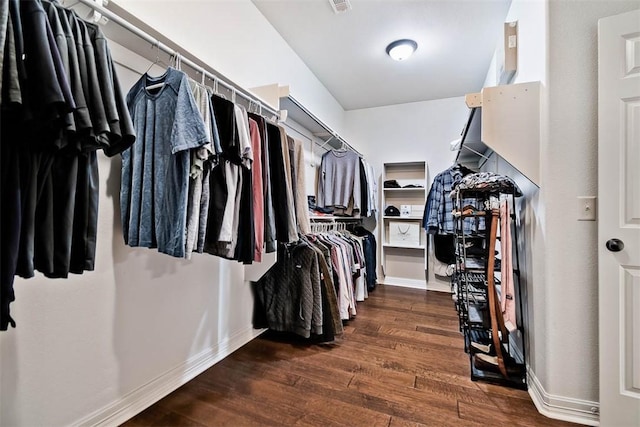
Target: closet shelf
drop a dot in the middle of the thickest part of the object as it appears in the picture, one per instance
(400, 190)
(506, 120)
(471, 150)
(392, 245)
(404, 260)
(494, 378)
(301, 115)
(406, 218)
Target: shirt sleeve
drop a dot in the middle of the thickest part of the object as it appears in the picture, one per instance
(188, 127)
(215, 136)
(320, 202)
(436, 204)
(357, 189)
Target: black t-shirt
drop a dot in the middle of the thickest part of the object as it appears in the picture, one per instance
(48, 94)
(121, 132)
(90, 82)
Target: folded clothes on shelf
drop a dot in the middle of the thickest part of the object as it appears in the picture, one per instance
(486, 362)
(488, 181)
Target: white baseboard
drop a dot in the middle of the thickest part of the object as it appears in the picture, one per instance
(560, 407)
(439, 286)
(404, 282)
(141, 398)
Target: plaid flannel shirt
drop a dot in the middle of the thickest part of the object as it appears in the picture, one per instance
(438, 216)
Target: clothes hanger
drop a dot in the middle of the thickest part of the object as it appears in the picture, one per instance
(342, 149)
(64, 3)
(216, 90)
(157, 61)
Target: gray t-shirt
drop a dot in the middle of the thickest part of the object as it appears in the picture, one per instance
(155, 170)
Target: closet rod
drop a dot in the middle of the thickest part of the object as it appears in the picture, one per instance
(215, 76)
(315, 118)
(465, 131)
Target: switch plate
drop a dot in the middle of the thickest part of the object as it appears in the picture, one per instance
(587, 208)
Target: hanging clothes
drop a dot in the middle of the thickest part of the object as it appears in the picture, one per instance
(258, 190)
(245, 247)
(364, 190)
(339, 181)
(155, 172)
(489, 181)
(300, 187)
(289, 187)
(507, 296)
(346, 266)
(438, 212)
(370, 251)
(226, 184)
(285, 224)
(312, 288)
(371, 189)
(61, 101)
(288, 297)
(332, 324)
(269, 237)
(201, 159)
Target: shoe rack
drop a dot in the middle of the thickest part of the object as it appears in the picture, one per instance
(477, 287)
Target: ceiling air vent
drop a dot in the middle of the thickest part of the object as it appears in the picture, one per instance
(340, 6)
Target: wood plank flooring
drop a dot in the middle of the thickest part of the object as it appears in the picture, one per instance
(400, 363)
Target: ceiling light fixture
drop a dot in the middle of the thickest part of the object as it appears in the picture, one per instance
(401, 49)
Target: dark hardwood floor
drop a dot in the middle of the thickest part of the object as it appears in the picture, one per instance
(400, 363)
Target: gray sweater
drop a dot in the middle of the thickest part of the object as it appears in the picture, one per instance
(339, 180)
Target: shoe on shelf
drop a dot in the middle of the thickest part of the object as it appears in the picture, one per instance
(477, 347)
(485, 362)
(468, 210)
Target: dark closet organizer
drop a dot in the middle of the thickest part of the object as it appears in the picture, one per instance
(476, 285)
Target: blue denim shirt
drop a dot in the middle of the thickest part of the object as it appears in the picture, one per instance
(155, 170)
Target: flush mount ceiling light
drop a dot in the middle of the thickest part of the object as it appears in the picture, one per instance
(401, 49)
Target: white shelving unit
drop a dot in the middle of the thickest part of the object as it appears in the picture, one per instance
(404, 264)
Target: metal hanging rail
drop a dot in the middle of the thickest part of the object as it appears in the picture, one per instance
(217, 78)
(213, 75)
(331, 132)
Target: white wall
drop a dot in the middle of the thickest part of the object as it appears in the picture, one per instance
(557, 46)
(109, 342)
(532, 47)
(237, 40)
(532, 17)
(570, 161)
(88, 341)
(409, 132)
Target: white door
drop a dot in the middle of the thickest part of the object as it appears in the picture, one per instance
(619, 218)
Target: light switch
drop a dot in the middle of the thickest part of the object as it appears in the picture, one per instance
(587, 208)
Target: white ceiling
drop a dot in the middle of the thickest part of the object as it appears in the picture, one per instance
(456, 40)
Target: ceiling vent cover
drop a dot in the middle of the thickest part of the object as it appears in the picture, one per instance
(340, 6)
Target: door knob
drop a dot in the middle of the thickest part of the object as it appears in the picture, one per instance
(615, 245)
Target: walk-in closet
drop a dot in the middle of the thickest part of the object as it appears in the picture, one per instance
(319, 213)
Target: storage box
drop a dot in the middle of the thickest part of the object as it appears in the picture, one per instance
(417, 211)
(404, 233)
(411, 211)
